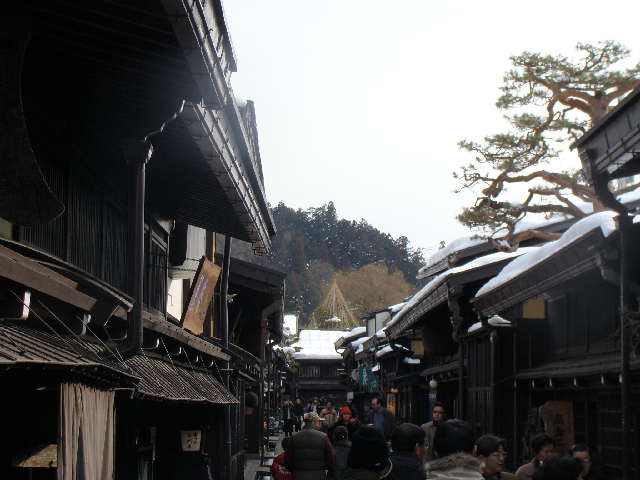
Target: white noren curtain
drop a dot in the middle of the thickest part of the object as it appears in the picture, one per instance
(85, 433)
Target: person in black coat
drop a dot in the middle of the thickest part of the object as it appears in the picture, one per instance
(407, 443)
(288, 418)
(342, 447)
(298, 413)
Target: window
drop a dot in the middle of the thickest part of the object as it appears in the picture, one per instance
(310, 371)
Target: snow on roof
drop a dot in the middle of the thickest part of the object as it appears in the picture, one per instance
(632, 196)
(317, 344)
(442, 277)
(474, 327)
(359, 348)
(454, 246)
(387, 349)
(355, 332)
(603, 220)
(530, 222)
(375, 368)
(411, 361)
(358, 342)
(396, 308)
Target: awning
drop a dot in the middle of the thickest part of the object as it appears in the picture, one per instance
(172, 381)
(24, 346)
(594, 365)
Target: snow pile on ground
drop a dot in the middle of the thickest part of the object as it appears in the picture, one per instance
(317, 344)
(441, 278)
(603, 220)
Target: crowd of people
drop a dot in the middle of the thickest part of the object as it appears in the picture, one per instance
(335, 444)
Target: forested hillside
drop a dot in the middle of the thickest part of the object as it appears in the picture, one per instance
(314, 247)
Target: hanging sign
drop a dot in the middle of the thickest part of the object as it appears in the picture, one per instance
(557, 417)
(368, 382)
(200, 296)
(190, 440)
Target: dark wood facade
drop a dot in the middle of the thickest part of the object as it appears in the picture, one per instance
(69, 205)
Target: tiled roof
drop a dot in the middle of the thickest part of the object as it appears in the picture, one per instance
(164, 380)
(149, 376)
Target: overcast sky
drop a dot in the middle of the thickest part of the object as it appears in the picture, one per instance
(363, 101)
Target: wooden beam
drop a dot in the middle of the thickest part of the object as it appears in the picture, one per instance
(160, 325)
(26, 272)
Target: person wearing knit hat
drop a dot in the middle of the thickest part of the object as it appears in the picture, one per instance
(369, 455)
(346, 420)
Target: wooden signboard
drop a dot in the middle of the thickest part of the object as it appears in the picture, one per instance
(557, 417)
(200, 296)
(190, 440)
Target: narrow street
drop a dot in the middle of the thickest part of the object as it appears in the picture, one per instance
(411, 252)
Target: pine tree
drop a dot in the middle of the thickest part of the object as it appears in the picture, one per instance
(549, 101)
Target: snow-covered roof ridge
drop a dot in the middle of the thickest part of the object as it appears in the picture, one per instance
(442, 277)
(358, 342)
(388, 349)
(317, 344)
(605, 221)
(355, 332)
(449, 249)
(397, 307)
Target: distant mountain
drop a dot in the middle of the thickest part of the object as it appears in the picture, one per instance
(313, 247)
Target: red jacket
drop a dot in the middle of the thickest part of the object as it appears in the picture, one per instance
(278, 470)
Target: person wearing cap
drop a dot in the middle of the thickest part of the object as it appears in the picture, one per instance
(369, 455)
(407, 443)
(453, 444)
(309, 454)
(491, 452)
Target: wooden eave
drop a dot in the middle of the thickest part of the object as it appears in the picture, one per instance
(373, 342)
(158, 324)
(438, 296)
(611, 148)
(348, 339)
(583, 366)
(216, 146)
(441, 294)
(193, 24)
(566, 264)
(438, 369)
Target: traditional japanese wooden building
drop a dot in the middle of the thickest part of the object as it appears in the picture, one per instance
(609, 151)
(318, 367)
(124, 150)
